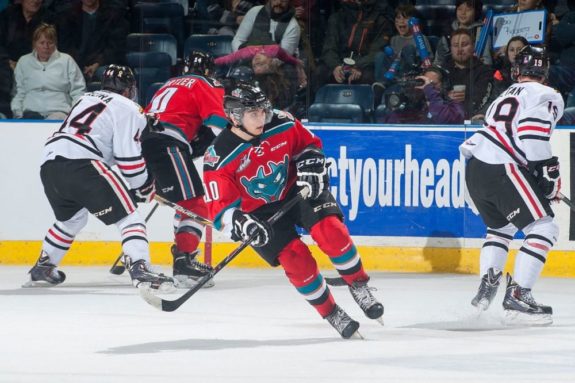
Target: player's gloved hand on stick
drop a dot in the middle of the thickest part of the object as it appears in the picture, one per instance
(311, 172)
(153, 122)
(146, 192)
(244, 225)
(548, 177)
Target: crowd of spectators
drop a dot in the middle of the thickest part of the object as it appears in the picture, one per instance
(291, 48)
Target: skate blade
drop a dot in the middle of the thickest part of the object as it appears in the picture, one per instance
(185, 282)
(380, 320)
(481, 306)
(516, 318)
(34, 284)
(356, 335)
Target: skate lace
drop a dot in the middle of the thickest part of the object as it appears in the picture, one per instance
(363, 296)
(339, 319)
(199, 266)
(525, 296)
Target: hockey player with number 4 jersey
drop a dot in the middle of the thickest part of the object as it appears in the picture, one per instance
(257, 165)
(103, 129)
(512, 176)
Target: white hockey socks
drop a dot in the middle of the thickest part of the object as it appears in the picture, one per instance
(496, 247)
(61, 235)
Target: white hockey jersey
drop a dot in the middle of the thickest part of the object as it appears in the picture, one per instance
(103, 126)
(518, 126)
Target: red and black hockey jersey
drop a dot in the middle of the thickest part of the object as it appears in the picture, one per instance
(185, 103)
(247, 175)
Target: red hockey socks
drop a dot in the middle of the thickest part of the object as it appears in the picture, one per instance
(301, 270)
(332, 237)
(188, 231)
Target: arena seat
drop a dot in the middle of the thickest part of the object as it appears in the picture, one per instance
(162, 17)
(435, 19)
(217, 45)
(340, 102)
(149, 68)
(153, 42)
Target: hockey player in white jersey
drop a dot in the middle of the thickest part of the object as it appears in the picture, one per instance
(512, 176)
(102, 130)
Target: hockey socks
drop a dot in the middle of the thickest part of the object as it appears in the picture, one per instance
(333, 238)
(302, 271)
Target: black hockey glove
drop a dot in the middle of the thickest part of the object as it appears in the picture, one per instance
(548, 177)
(202, 141)
(146, 192)
(153, 123)
(311, 172)
(244, 225)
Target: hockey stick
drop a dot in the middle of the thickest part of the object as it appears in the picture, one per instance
(183, 210)
(119, 268)
(566, 200)
(167, 305)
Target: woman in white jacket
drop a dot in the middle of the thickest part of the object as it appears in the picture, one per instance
(48, 82)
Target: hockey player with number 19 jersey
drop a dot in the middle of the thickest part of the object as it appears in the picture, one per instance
(251, 170)
(512, 176)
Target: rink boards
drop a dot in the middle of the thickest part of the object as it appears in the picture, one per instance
(401, 190)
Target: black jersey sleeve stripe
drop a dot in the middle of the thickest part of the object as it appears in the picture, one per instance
(534, 137)
(128, 159)
(533, 119)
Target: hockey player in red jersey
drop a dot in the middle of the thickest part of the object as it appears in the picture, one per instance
(250, 170)
(101, 130)
(190, 111)
(512, 176)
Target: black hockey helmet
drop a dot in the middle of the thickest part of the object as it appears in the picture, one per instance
(199, 62)
(531, 61)
(244, 97)
(117, 78)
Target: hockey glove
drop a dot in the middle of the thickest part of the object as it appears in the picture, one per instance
(311, 172)
(246, 225)
(548, 177)
(153, 122)
(202, 141)
(146, 192)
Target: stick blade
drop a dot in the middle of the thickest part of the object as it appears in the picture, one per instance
(150, 298)
(117, 269)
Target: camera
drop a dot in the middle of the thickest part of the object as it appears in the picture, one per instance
(403, 95)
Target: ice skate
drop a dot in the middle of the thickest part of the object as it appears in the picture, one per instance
(187, 270)
(361, 293)
(44, 274)
(487, 289)
(143, 277)
(344, 325)
(521, 309)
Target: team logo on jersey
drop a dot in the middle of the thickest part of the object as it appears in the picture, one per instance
(267, 184)
(210, 157)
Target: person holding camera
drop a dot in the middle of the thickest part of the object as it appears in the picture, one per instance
(423, 100)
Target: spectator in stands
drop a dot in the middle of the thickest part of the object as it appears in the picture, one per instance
(94, 35)
(467, 16)
(265, 59)
(358, 30)
(472, 80)
(273, 23)
(6, 84)
(402, 44)
(221, 17)
(502, 76)
(562, 75)
(17, 24)
(48, 82)
(425, 104)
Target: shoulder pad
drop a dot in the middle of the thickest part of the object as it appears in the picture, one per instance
(209, 81)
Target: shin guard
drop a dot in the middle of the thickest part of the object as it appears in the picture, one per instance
(302, 271)
(333, 238)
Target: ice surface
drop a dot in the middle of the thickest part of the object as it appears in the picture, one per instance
(254, 327)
